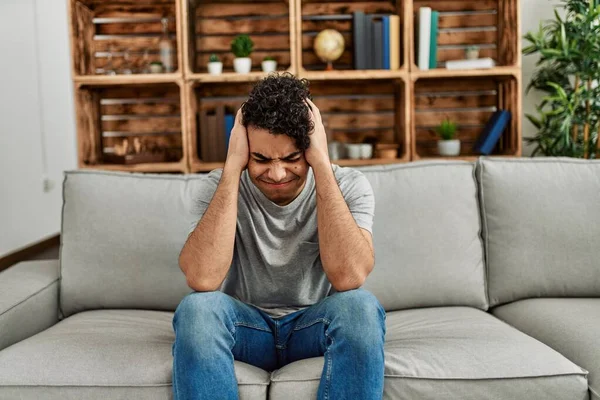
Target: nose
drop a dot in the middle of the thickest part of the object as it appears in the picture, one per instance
(276, 173)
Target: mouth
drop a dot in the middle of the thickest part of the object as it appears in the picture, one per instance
(278, 184)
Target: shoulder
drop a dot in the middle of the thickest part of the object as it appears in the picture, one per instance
(351, 181)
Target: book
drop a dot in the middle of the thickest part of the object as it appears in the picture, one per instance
(358, 31)
(424, 37)
(433, 40)
(480, 63)
(221, 150)
(377, 44)
(394, 42)
(229, 122)
(492, 132)
(386, 41)
(369, 51)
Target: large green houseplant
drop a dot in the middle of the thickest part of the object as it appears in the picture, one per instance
(568, 71)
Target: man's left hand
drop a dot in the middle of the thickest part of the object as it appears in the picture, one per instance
(317, 152)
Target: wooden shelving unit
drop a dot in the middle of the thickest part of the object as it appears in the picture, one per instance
(392, 106)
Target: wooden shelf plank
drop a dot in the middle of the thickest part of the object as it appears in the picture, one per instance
(148, 167)
(463, 158)
(354, 74)
(226, 77)
(370, 161)
(446, 73)
(135, 79)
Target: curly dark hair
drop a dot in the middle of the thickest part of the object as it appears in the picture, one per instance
(276, 103)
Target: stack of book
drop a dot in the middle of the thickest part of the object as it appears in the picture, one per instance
(427, 45)
(376, 41)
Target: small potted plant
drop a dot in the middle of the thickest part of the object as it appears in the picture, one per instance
(242, 47)
(448, 146)
(156, 67)
(269, 64)
(215, 66)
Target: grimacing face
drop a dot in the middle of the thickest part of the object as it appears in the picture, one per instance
(276, 166)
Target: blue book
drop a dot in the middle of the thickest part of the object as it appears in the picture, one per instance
(377, 44)
(229, 121)
(386, 42)
(435, 15)
(492, 132)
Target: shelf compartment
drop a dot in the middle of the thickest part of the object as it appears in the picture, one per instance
(490, 24)
(207, 104)
(103, 28)
(353, 112)
(212, 25)
(469, 102)
(109, 114)
(316, 16)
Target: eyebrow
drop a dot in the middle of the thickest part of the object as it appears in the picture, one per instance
(265, 158)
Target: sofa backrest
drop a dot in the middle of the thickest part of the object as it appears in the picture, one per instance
(541, 227)
(426, 233)
(121, 238)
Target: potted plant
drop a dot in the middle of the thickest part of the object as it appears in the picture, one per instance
(156, 67)
(269, 64)
(215, 66)
(242, 47)
(447, 146)
(568, 72)
(472, 52)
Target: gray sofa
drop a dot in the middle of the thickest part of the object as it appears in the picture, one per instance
(489, 271)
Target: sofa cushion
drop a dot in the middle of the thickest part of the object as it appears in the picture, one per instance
(541, 227)
(570, 326)
(121, 238)
(104, 354)
(453, 353)
(428, 250)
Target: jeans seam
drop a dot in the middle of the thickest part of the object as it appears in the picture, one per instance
(329, 365)
(260, 328)
(306, 325)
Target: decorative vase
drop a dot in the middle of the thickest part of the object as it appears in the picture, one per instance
(449, 147)
(242, 65)
(215, 68)
(269, 66)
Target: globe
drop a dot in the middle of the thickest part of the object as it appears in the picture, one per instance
(329, 46)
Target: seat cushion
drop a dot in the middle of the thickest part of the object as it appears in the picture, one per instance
(426, 233)
(454, 353)
(570, 326)
(540, 227)
(104, 354)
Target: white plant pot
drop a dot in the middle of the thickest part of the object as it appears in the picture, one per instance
(242, 65)
(215, 68)
(449, 147)
(269, 66)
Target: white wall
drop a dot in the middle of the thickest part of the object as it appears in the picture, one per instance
(532, 12)
(37, 132)
(37, 114)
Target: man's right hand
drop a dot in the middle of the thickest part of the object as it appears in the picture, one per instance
(238, 153)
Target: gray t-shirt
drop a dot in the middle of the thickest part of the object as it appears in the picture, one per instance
(276, 263)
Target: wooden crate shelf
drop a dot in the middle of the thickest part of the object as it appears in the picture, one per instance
(212, 25)
(400, 106)
(105, 32)
(315, 16)
(469, 102)
(493, 25)
(108, 115)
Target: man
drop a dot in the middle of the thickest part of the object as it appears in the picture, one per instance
(277, 258)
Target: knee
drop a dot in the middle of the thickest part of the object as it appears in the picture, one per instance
(201, 309)
(359, 310)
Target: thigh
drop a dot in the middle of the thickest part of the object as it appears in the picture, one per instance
(247, 332)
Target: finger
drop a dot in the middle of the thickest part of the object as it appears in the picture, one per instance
(314, 109)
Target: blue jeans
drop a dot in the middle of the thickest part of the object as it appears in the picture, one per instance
(212, 329)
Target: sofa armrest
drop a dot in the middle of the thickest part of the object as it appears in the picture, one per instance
(28, 300)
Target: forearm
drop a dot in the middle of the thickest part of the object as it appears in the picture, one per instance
(206, 256)
(346, 255)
